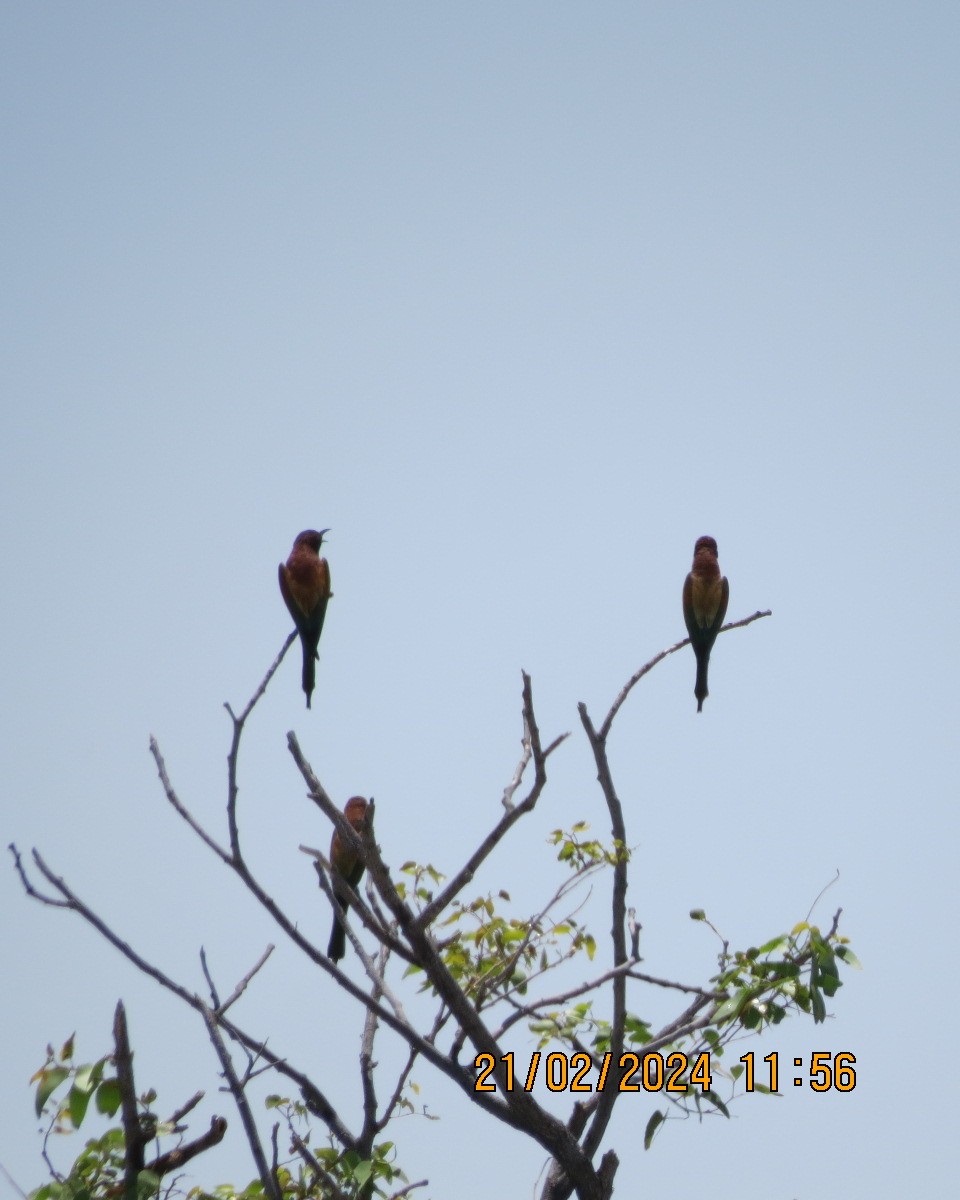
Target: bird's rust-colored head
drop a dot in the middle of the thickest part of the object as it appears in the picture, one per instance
(703, 543)
(310, 537)
(355, 810)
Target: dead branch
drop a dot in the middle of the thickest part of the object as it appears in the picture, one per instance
(268, 1178)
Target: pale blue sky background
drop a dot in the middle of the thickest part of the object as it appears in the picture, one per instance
(519, 299)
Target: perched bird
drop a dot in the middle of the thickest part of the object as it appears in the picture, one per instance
(705, 596)
(305, 586)
(348, 867)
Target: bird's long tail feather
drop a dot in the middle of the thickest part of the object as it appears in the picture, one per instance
(338, 941)
(309, 670)
(700, 687)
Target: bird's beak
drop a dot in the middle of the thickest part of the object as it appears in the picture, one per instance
(323, 531)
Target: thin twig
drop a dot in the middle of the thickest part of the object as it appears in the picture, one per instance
(826, 887)
(28, 887)
(245, 981)
(506, 822)
(180, 808)
(510, 789)
(267, 1177)
(330, 1184)
(405, 1191)
(639, 674)
(233, 756)
(13, 1183)
(523, 1011)
(178, 1114)
(174, 1159)
(367, 1065)
(291, 638)
(214, 994)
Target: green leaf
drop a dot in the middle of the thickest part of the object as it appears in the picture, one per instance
(729, 1008)
(653, 1125)
(148, 1184)
(362, 1172)
(849, 957)
(50, 1080)
(108, 1097)
(83, 1078)
(78, 1101)
(830, 984)
(717, 1103)
(751, 1017)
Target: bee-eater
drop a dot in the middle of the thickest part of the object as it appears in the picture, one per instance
(305, 586)
(348, 867)
(705, 596)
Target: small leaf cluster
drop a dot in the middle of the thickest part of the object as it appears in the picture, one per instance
(64, 1091)
(795, 970)
(312, 1175)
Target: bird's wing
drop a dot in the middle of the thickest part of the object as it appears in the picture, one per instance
(319, 595)
(724, 601)
(688, 618)
(294, 608)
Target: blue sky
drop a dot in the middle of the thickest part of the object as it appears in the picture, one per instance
(519, 300)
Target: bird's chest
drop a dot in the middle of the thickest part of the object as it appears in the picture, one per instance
(705, 595)
(309, 583)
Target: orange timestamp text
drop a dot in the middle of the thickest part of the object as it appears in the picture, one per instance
(653, 1072)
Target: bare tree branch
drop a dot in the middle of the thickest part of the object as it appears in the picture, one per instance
(134, 1136)
(371, 920)
(463, 1008)
(174, 1159)
(503, 826)
(178, 1114)
(519, 1108)
(405, 1191)
(367, 1064)
(268, 1177)
(607, 1098)
(510, 789)
(245, 981)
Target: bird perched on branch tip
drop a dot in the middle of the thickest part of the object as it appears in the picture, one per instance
(346, 867)
(705, 596)
(305, 587)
